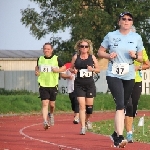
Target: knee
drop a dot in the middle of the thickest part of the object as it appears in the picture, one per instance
(52, 104)
(89, 109)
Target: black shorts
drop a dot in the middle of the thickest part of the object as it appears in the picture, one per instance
(48, 93)
(87, 90)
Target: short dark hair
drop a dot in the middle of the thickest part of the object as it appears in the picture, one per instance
(48, 44)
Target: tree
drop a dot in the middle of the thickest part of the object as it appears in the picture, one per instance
(90, 19)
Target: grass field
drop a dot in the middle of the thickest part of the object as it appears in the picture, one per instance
(30, 103)
(140, 135)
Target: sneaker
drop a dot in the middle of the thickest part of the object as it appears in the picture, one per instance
(130, 138)
(120, 142)
(88, 125)
(83, 130)
(112, 137)
(51, 119)
(46, 125)
(76, 120)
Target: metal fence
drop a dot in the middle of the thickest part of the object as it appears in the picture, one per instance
(26, 80)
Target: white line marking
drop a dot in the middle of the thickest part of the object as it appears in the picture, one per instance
(31, 138)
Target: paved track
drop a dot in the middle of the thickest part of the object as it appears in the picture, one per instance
(26, 133)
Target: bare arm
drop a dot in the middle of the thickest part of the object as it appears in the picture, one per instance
(72, 68)
(65, 76)
(96, 65)
(137, 56)
(37, 73)
(59, 70)
(103, 54)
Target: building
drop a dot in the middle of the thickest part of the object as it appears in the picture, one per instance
(17, 69)
(12, 60)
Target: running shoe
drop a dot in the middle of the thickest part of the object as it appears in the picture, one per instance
(88, 125)
(130, 138)
(76, 120)
(51, 119)
(83, 131)
(46, 125)
(120, 142)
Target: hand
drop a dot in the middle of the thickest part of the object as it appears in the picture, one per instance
(37, 73)
(74, 70)
(90, 68)
(113, 55)
(133, 54)
(71, 77)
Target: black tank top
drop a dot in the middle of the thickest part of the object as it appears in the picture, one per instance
(82, 64)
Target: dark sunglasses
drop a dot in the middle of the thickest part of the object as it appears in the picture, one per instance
(84, 46)
(129, 19)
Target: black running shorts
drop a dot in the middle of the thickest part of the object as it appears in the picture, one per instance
(49, 93)
(87, 90)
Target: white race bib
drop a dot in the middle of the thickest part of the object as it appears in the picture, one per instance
(120, 68)
(45, 68)
(84, 73)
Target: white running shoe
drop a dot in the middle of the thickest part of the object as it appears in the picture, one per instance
(88, 125)
(83, 131)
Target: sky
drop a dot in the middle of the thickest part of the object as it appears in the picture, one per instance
(14, 35)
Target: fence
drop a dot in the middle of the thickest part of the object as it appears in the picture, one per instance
(26, 80)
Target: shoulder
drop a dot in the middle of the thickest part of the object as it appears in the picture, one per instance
(112, 34)
(41, 57)
(136, 35)
(55, 56)
(75, 56)
(93, 57)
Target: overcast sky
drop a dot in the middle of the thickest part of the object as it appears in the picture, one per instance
(14, 35)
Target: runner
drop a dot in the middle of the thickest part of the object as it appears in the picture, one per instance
(131, 110)
(72, 96)
(123, 46)
(48, 68)
(83, 64)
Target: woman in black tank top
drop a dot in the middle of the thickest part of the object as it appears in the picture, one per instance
(84, 64)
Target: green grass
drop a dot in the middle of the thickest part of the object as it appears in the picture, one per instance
(26, 102)
(107, 127)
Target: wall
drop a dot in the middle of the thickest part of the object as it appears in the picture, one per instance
(26, 80)
(20, 65)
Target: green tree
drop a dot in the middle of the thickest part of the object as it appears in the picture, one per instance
(90, 19)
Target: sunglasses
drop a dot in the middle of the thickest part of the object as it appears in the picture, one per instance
(84, 46)
(129, 19)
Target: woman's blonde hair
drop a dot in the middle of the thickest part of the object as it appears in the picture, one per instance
(90, 44)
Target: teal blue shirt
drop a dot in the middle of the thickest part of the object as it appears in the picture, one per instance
(122, 44)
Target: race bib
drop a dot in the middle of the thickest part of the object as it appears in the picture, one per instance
(45, 68)
(120, 68)
(84, 73)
